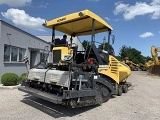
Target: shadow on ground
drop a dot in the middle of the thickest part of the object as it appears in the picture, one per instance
(52, 109)
(58, 111)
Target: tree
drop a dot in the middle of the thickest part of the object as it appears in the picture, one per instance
(87, 47)
(148, 58)
(124, 52)
(107, 47)
(118, 57)
(85, 43)
(132, 54)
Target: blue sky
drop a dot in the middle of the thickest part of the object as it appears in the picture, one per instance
(135, 23)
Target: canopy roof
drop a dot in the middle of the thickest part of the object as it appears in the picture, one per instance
(79, 23)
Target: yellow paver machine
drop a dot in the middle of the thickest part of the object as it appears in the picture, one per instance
(77, 78)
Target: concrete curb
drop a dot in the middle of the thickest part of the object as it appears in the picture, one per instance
(9, 87)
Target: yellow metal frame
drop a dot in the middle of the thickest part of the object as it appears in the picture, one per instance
(78, 23)
(154, 53)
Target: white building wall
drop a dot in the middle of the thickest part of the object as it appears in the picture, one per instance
(13, 36)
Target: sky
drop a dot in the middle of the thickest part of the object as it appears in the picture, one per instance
(135, 23)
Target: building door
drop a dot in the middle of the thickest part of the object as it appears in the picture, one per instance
(33, 56)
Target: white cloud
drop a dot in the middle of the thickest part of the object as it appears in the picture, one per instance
(19, 17)
(43, 5)
(107, 18)
(117, 19)
(110, 19)
(147, 34)
(15, 3)
(140, 8)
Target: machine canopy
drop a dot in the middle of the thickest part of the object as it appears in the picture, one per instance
(79, 23)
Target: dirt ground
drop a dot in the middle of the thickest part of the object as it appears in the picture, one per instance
(142, 102)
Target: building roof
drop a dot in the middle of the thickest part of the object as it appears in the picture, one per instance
(22, 31)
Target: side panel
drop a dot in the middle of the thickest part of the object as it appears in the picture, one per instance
(124, 71)
(112, 70)
(61, 53)
(116, 70)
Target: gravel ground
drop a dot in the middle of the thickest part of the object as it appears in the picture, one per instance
(142, 102)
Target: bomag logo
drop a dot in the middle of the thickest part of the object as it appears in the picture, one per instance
(61, 19)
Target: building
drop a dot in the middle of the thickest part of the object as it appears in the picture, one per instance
(15, 44)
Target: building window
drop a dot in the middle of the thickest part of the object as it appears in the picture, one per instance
(6, 53)
(21, 53)
(13, 54)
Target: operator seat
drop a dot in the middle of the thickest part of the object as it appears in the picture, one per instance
(57, 41)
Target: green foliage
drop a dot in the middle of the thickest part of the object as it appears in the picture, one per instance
(87, 46)
(107, 47)
(118, 57)
(24, 74)
(148, 58)
(9, 79)
(132, 54)
(22, 77)
(124, 52)
(85, 43)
